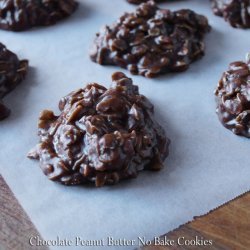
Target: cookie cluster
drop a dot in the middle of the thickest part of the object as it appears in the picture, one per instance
(101, 135)
(12, 72)
(233, 98)
(152, 41)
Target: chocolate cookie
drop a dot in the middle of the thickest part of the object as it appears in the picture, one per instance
(236, 12)
(101, 135)
(25, 14)
(152, 41)
(12, 72)
(233, 98)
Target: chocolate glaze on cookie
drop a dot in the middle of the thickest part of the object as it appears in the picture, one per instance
(12, 72)
(25, 14)
(101, 135)
(233, 98)
(152, 41)
(236, 12)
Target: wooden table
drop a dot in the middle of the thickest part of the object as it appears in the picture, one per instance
(228, 226)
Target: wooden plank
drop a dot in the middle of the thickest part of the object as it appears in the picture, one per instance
(15, 226)
(228, 227)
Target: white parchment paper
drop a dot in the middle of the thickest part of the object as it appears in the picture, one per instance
(208, 165)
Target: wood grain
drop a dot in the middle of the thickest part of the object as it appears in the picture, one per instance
(15, 226)
(228, 227)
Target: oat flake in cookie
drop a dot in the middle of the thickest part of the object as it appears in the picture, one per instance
(12, 72)
(236, 12)
(152, 41)
(101, 135)
(25, 14)
(233, 98)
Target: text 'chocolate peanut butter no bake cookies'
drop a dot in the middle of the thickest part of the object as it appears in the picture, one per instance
(22, 15)
(152, 41)
(101, 135)
(233, 98)
(12, 72)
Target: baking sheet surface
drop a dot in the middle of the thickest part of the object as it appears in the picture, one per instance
(207, 166)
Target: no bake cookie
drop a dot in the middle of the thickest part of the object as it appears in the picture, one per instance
(23, 15)
(233, 98)
(236, 12)
(101, 135)
(12, 72)
(152, 41)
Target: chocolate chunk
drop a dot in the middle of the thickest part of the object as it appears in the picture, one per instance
(12, 72)
(233, 98)
(152, 41)
(101, 135)
(23, 15)
(236, 12)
